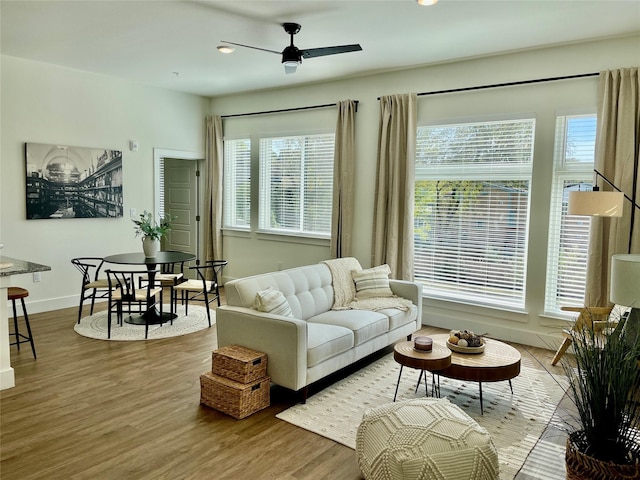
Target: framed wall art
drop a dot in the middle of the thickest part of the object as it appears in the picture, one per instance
(73, 182)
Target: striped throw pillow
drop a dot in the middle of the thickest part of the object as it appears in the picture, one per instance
(372, 282)
(273, 301)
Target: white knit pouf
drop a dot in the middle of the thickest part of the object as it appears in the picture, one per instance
(424, 439)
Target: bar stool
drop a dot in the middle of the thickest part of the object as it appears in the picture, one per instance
(15, 293)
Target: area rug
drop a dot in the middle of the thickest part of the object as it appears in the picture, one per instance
(514, 421)
(95, 326)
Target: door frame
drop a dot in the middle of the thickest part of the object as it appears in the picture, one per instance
(159, 154)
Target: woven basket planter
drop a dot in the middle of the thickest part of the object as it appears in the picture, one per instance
(583, 467)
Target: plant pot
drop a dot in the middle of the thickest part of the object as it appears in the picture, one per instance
(581, 467)
(150, 246)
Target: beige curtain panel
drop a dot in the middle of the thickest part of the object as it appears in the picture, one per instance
(212, 221)
(616, 157)
(395, 185)
(343, 181)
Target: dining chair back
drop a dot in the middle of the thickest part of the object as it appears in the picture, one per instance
(92, 285)
(204, 288)
(126, 297)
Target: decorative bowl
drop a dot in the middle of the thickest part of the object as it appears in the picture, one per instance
(459, 349)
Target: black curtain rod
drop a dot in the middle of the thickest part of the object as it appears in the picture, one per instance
(507, 84)
(266, 112)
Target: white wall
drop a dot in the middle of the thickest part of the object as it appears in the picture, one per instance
(252, 254)
(49, 104)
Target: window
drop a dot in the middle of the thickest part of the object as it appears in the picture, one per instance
(472, 210)
(569, 234)
(296, 184)
(237, 184)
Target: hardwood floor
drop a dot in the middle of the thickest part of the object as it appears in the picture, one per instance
(91, 409)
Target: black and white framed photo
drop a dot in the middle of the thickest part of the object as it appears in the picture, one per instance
(73, 182)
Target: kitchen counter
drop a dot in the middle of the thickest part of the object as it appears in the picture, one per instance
(8, 268)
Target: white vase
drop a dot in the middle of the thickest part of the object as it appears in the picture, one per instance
(150, 246)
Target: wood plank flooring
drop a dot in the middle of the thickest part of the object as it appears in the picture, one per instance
(91, 409)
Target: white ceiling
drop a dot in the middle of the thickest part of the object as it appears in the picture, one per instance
(148, 41)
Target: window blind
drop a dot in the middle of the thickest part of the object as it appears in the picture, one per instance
(237, 184)
(472, 210)
(296, 184)
(569, 234)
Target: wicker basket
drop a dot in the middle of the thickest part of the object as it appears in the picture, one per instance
(583, 467)
(239, 363)
(234, 398)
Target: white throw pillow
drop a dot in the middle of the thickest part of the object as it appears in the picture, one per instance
(372, 282)
(273, 301)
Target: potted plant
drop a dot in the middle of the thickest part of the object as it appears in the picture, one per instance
(603, 377)
(152, 231)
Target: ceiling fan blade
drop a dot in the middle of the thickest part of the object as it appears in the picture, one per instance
(321, 52)
(249, 46)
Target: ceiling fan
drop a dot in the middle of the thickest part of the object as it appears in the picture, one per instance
(292, 56)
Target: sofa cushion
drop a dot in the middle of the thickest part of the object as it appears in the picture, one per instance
(308, 289)
(399, 318)
(364, 324)
(326, 341)
(372, 282)
(272, 301)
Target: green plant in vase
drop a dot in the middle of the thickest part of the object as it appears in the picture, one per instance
(152, 231)
(603, 379)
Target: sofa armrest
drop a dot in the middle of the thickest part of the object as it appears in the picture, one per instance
(283, 339)
(410, 290)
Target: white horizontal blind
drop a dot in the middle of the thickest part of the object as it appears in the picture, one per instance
(296, 184)
(237, 184)
(569, 234)
(472, 210)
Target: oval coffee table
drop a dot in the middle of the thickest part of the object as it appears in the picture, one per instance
(437, 359)
(498, 362)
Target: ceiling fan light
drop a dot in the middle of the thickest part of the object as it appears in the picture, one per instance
(225, 49)
(427, 2)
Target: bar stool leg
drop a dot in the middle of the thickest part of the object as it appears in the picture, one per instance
(26, 321)
(19, 337)
(15, 323)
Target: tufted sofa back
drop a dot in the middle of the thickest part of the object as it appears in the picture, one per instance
(308, 289)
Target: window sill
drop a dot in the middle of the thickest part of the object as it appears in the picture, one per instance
(293, 238)
(477, 309)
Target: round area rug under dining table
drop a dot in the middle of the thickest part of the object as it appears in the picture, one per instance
(95, 326)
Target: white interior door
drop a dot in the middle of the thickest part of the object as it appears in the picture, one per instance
(181, 202)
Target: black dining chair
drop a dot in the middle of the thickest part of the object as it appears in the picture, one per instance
(204, 288)
(170, 275)
(92, 285)
(125, 297)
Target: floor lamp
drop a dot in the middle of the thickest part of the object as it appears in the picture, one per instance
(624, 287)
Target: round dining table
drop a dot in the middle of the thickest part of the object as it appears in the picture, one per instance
(151, 315)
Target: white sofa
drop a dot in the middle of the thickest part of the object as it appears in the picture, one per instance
(316, 340)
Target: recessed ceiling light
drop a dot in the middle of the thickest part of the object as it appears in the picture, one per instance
(225, 49)
(427, 2)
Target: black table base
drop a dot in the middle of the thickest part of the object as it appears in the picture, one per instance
(151, 317)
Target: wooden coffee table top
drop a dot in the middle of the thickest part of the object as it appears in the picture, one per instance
(498, 362)
(437, 359)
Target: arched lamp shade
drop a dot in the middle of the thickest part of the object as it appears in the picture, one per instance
(596, 204)
(625, 290)
(625, 280)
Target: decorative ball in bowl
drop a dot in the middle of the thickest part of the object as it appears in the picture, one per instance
(465, 341)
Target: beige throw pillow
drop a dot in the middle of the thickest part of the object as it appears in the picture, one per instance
(273, 301)
(372, 282)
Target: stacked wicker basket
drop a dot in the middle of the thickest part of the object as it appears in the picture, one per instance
(237, 384)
